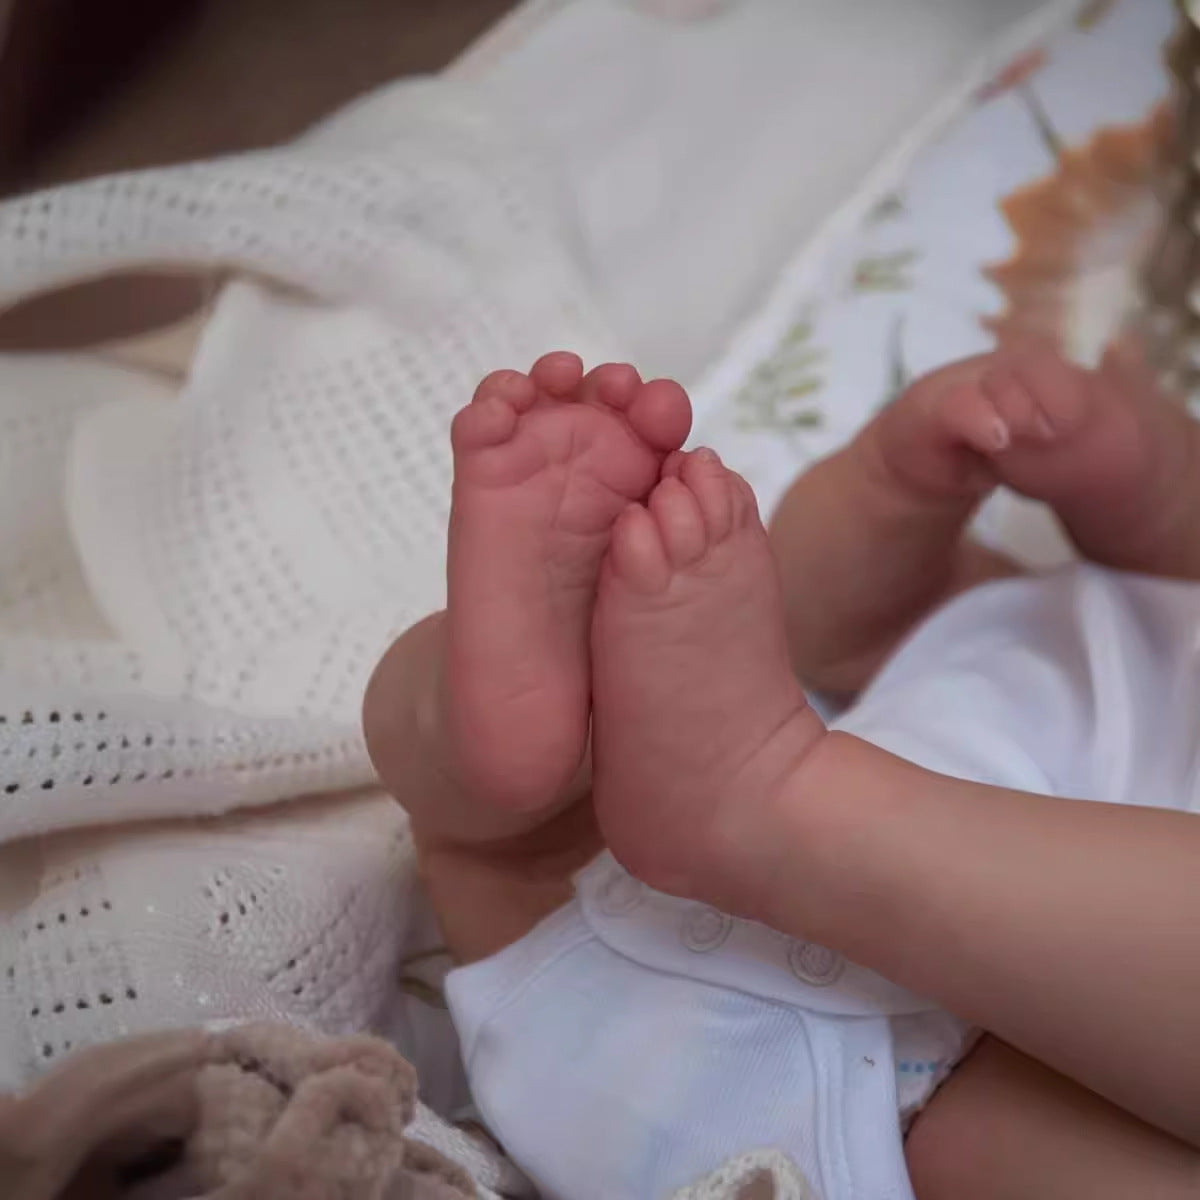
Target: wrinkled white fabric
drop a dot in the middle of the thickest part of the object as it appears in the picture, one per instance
(635, 1042)
(702, 153)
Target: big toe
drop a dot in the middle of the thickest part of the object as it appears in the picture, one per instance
(971, 417)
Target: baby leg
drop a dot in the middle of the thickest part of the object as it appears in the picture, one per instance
(491, 876)
(1004, 1127)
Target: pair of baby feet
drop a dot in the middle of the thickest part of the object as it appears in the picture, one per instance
(598, 574)
(608, 589)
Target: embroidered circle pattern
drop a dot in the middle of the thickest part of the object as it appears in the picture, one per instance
(815, 964)
(705, 929)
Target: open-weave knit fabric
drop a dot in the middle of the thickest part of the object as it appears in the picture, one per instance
(197, 578)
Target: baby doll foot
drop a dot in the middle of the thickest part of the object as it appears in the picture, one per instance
(1119, 463)
(1114, 457)
(698, 720)
(544, 464)
(958, 431)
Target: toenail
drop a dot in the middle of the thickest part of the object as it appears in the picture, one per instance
(705, 455)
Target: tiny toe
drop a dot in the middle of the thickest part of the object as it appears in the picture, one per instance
(1057, 388)
(612, 384)
(1015, 404)
(673, 464)
(745, 502)
(487, 421)
(636, 552)
(661, 414)
(970, 416)
(710, 483)
(557, 373)
(680, 521)
(509, 387)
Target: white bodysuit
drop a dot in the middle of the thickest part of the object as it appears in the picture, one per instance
(633, 1042)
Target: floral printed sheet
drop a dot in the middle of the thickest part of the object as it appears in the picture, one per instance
(1030, 208)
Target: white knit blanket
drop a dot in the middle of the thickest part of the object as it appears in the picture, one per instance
(197, 576)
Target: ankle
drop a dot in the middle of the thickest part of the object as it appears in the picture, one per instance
(488, 895)
(788, 885)
(751, 846)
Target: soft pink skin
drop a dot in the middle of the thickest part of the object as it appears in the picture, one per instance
(1104, 448)
(544, 464)
(698, 715)
(883, 522)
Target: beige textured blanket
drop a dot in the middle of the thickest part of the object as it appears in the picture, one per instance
(263, 1112)
(257, 1113)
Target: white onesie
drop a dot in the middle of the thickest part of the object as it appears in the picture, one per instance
(633, 1042)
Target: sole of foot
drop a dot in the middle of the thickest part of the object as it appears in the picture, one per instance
(544, 463)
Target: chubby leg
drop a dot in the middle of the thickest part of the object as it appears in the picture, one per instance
(490, 881)
(1004, 1127)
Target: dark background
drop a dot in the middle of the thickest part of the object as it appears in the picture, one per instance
(90, 86)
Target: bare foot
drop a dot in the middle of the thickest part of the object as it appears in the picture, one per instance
(544, 464)
(883, 521)
(1115, 458)
(1122, 471)
(698, 718)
